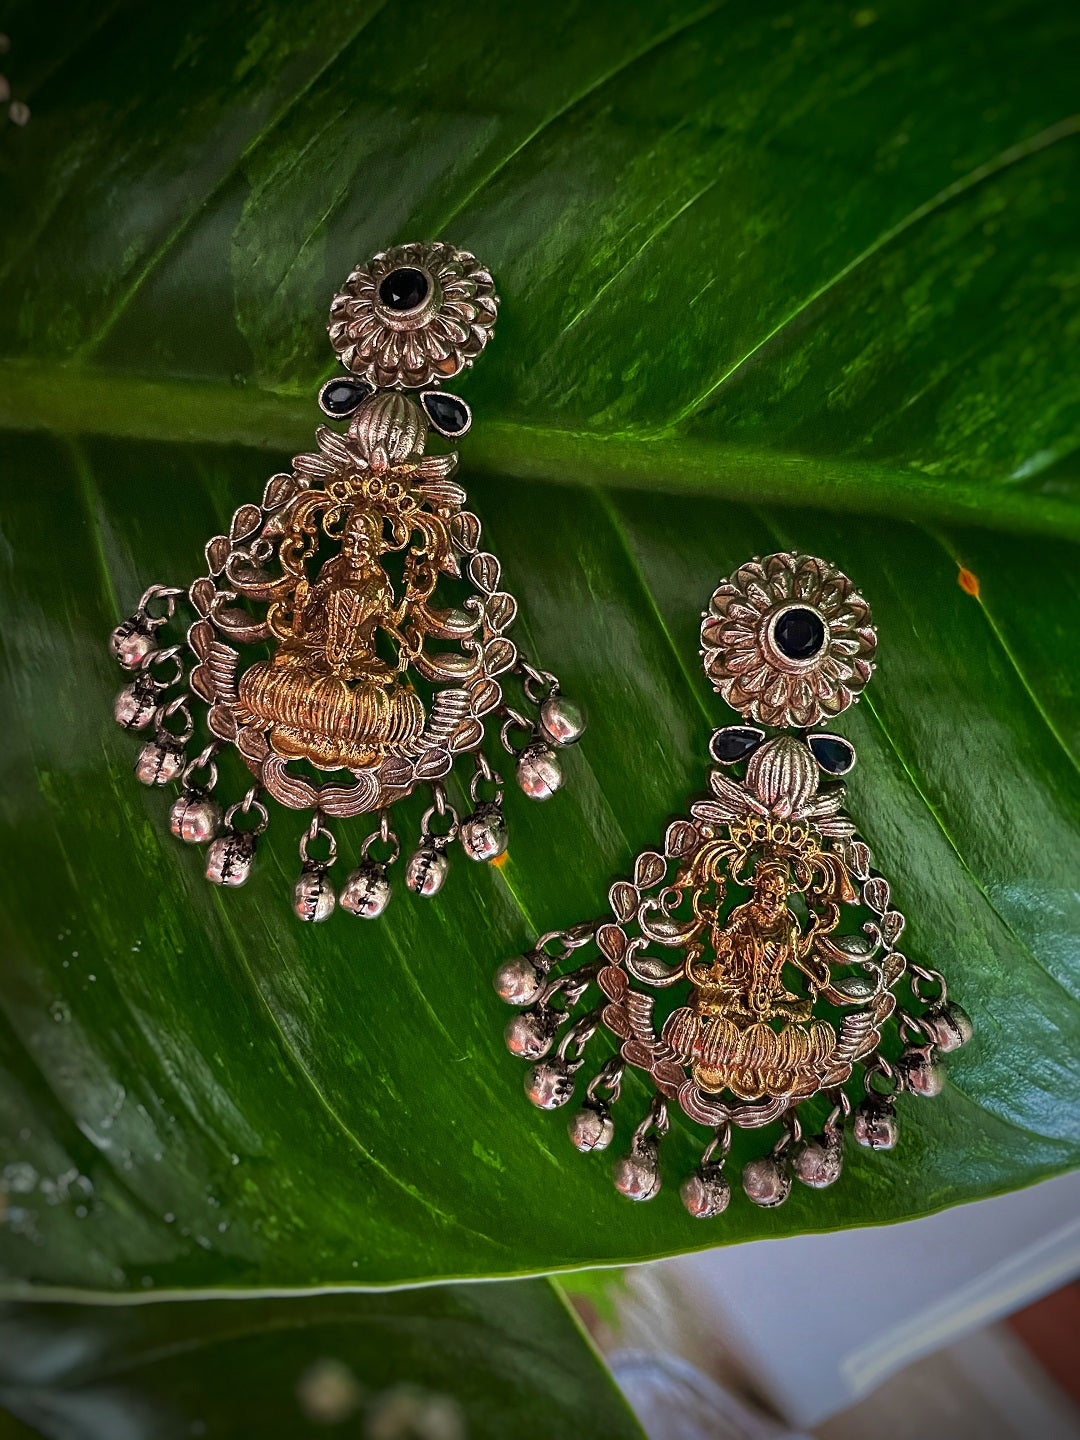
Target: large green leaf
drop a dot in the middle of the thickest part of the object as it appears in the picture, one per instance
(794, 275)
(454, 1363)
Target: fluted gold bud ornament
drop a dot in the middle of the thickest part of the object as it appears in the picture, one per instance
(350, 638)
(763, 916)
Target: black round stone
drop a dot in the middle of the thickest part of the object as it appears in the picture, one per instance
(403, 289)
(799, 633)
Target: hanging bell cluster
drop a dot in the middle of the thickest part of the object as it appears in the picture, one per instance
(343, 579)
(796, 1012)
(552, 1028)
(158, 702)
(557, 722)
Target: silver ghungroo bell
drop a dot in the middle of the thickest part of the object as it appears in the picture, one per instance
(426, 870)
(948, 1026)
(529, 1035)
(132, 642)
(923, 1074)
(483, 834)
(195, 817)
(561, 721)
(539, 772)
(518, 981)
(875, 1124)
(766, 1181)
(313, 894)
(230, 858)
(366, 892)
(706, 1193)
(637, 1175)
(549, 1084)
(136, 703)
(591, 1127)
(160, 762)
(818, 1162)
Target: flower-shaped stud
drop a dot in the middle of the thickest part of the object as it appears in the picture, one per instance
(788, 640)
(414, 315)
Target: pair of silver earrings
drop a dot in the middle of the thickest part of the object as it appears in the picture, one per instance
(364, 571)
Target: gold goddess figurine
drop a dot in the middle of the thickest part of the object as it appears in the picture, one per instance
(326, 696)
(744, 1030)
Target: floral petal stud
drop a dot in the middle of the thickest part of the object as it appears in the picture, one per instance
(787, 640)
(413, 315)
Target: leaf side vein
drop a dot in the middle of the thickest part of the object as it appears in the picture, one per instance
(180, 229)
(1065, 129)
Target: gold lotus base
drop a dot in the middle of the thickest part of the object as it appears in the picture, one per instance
(753, 1061)
(333, 722)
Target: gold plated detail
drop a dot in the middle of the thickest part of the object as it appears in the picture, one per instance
(752, 1026)
(744, 1030)
(327, 695)
(336, 691)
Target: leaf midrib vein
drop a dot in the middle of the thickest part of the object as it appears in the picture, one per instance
(210, 413)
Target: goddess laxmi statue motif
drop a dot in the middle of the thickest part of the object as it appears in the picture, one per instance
(327, 696)
(751, 950)
(744, 1030)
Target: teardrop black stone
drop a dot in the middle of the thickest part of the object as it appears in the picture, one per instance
(449, 415)
(835, 756)
(799, 633)
(734, 742)
(341, 396)
(403, 289)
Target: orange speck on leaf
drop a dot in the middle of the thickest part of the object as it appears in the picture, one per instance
(501, 860)
(968, 582)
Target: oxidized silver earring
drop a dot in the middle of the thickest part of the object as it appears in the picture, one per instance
(352, 565)
(777, 1001)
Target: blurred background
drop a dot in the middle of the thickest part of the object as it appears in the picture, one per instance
(961, 1326)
